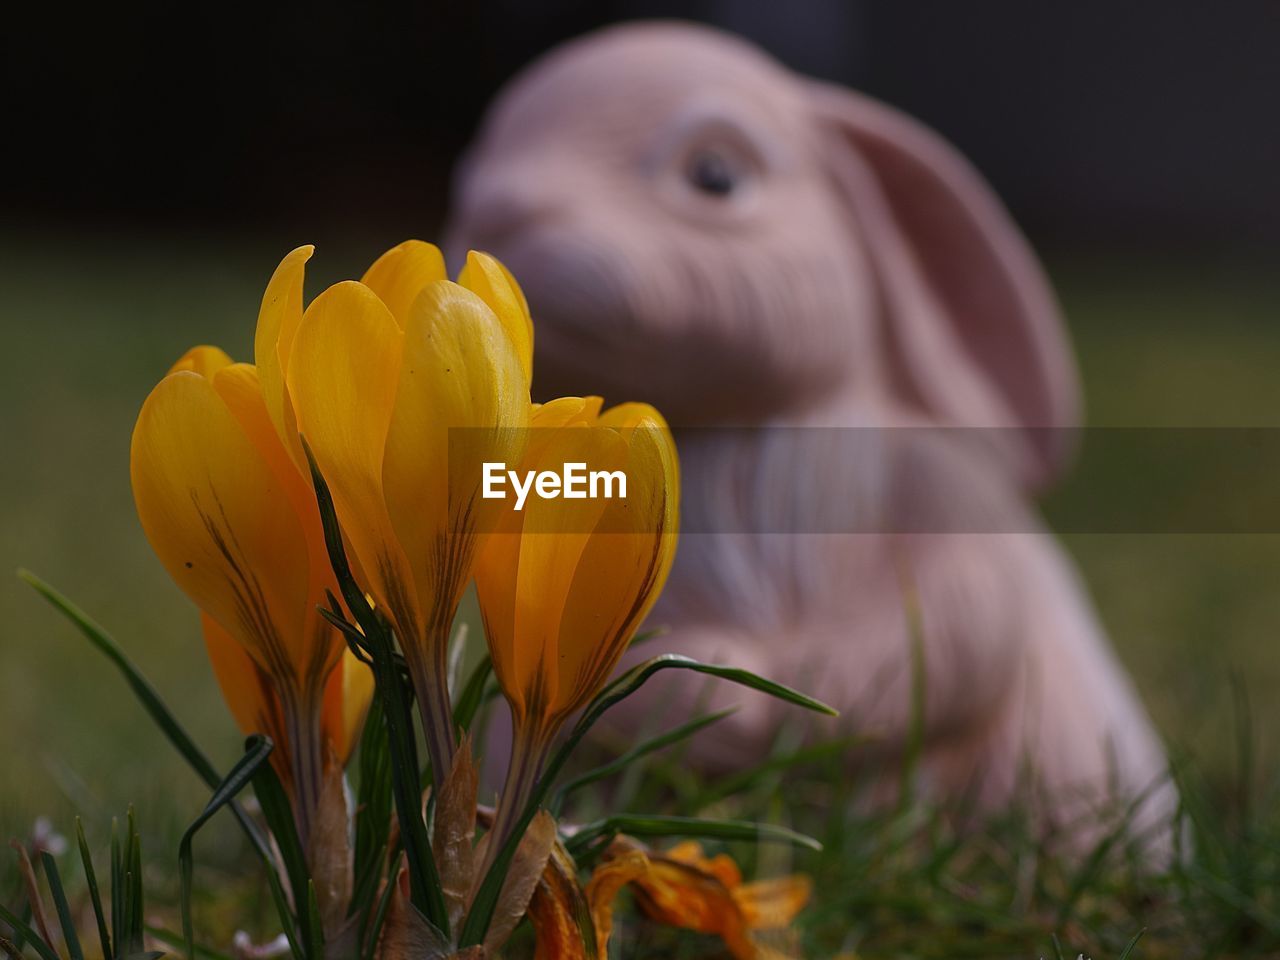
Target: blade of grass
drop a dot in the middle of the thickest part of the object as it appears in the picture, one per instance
(644, 636)
(174, 942)
(373, 810)
(45, 951)
(1132, 943)
(804, 755)
(69, 936)
(147, 695)
(652, 745)
(257, 750)
(284, 912)
(117, 884)
(636, 825)
(132, 942)
(637, 676)
(380, 914)
(278, 812)
(313, 931)
(95, 896)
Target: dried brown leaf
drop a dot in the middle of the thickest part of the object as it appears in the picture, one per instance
(329, 853)
(454, 833)
(33, 891)
(406, 934)
(522, 878)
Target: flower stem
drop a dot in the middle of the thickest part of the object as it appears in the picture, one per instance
(528, 755)
(306, 759)
(429, 670)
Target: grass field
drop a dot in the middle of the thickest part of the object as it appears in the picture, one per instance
(89, 326)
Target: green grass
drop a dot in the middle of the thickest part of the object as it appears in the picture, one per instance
(89, 326)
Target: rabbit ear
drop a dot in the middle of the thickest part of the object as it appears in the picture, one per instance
(975, 336)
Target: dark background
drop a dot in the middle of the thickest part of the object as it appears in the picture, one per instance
(1098, 121)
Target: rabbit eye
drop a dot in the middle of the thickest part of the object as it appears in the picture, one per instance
(711, 172)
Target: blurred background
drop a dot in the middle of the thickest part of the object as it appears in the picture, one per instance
(160, 160)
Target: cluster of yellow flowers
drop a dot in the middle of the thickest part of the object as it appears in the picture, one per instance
(377, 376)
(398, 390)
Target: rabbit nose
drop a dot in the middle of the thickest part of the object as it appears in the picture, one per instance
(493, 204)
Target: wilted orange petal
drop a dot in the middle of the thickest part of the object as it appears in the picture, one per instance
(557, 904)
(722, 865)
(680, 895)
(774, 903)
(606, 880)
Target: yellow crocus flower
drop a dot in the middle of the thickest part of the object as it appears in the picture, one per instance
(402, 385)
(564, 584)
(235, 523)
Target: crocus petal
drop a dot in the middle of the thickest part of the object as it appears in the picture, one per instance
(317, 646)
(557, 532)
(498, 288)
(624, 564)
(240, 387)
(498, 565)
(400, 274)
(526, 568)
(564, 584)
(204, 360)
(278, 321)
(461, 402)
(249, 694)
(496, 570)
(347, 695)
(342, 378)
(245, 688)
(774, 903)
(217, 517)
